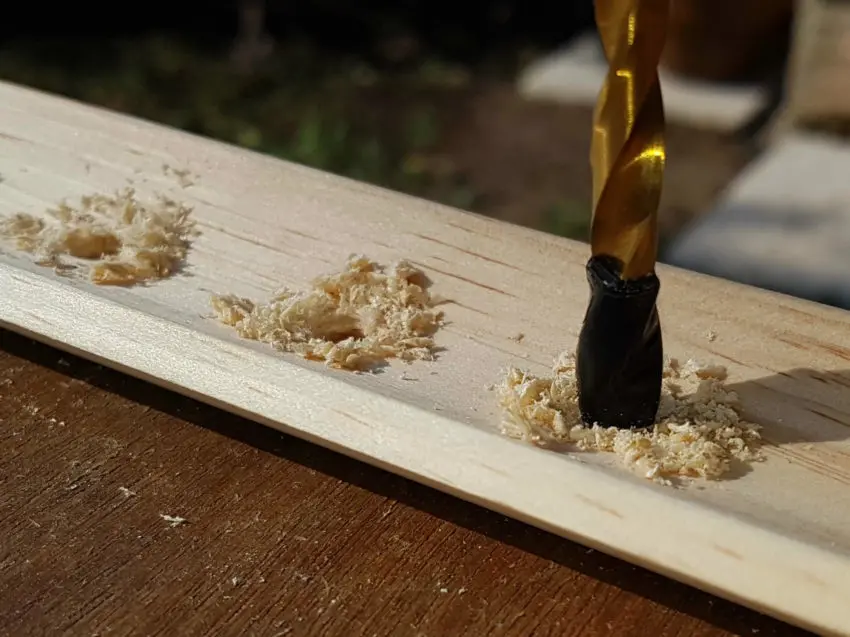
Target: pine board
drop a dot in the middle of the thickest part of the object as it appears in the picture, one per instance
(776, 539)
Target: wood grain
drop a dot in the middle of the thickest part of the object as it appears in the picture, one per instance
(266, 223)
(319, 544)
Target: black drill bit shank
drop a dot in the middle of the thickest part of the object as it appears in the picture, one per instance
(619, 360)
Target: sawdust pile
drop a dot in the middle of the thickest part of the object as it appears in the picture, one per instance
(118, 239)
(353, 320)
(698, 432)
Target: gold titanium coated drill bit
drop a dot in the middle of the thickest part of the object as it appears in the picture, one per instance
(619, 358)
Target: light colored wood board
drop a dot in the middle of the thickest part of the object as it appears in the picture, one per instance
(776, 539)
(783, 224)
(575, 74)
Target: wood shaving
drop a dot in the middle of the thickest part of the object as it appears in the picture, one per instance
(173, 520)
(184, 176)
(698, 432)
(118, 239)
(355, 320)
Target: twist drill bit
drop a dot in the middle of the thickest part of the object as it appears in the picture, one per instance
(619, 357)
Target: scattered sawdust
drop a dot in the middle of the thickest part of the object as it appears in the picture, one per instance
(184, 176)
(698, 432)
(119, 239)
(173, 520)
(355, 319)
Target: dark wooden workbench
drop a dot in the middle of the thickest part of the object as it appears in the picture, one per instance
(280, 538)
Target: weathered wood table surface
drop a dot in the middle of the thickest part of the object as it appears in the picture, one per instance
(280, 536)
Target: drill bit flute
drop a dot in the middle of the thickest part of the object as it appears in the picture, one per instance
(619, 357)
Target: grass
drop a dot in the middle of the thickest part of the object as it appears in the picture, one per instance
(568, 218)
(299, 107)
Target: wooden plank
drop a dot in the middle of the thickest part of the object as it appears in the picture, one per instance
(318, 544)
(776, 539)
